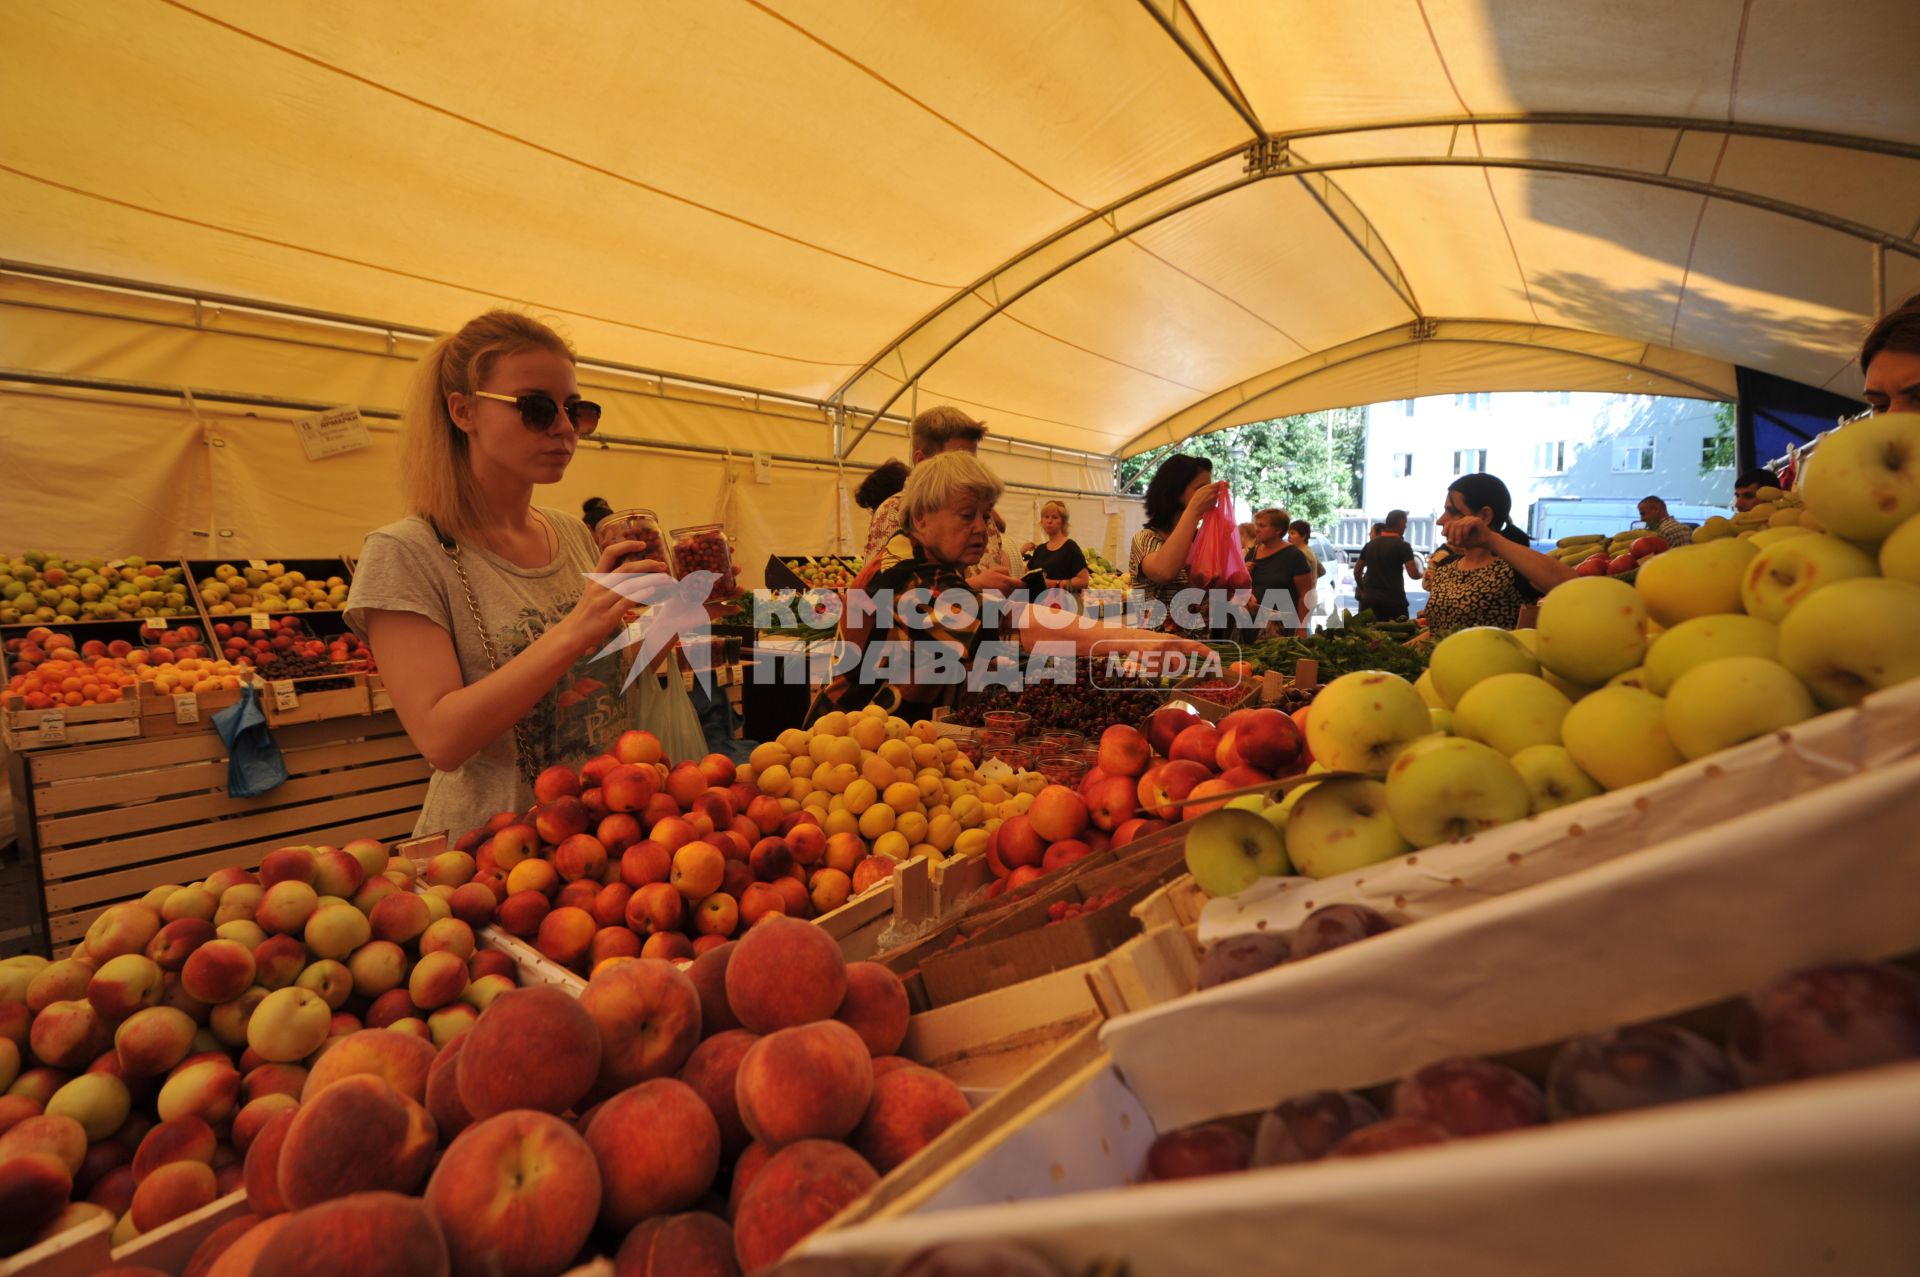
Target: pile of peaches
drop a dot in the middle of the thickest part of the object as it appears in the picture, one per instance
(141, 1072)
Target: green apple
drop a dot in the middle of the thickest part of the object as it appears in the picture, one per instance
(1618, 736)
(1854, 638)
(1553, 779)
(1723, 702)
(1694, 580)
(1592, 628)
(1424, 686)
(1252, 802)
(1230, 849)
(1707, 638)
(1342, 825)
(1783, 575)
(1863, 480)
(1278, 812)
(1775, 535)
(1465, 657)
(1900, 553)
(1446, 788)
(1510, 712)
(1361, 720)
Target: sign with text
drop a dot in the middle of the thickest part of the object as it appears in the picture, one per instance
(330, 433)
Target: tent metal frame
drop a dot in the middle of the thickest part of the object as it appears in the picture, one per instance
(1261, 166)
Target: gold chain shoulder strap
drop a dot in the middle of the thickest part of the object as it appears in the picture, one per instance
(525, 754)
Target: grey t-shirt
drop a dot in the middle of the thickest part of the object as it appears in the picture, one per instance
(403, 569)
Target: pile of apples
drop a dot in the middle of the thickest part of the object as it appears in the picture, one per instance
(231, 590)
(1713, 644)
(37, 587)
(196, 1024)
(1599, 557)
(1815, 1022)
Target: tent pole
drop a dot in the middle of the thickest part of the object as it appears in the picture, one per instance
(1879, 280)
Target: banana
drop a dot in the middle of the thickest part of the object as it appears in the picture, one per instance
(1585, 538)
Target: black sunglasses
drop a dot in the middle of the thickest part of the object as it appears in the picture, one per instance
(538, 411)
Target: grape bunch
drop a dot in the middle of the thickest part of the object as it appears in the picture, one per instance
(282, 665)
(1081, 705)
(1294, 699)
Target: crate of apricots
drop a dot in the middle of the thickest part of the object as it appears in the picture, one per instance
(57, 695)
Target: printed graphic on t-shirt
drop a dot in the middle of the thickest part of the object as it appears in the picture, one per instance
(583, 712)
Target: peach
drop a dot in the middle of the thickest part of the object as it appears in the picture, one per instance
(285, 908)
(374, 890)
(39, 1085)
(871, 872)
(207, 1087)
(533, 1048)
(337, 873)
(438, 979)
(673, 834)
(375, 1234)
(332, 980)
(450, 1021)
(645, 862)
(480, 993)
(261, 1173)
(486, 962)
(554, 783)
(357, 1135)
(685, 784)
(290, 1024)
(99, 1101)
(671, 946)
(717, 915)
(698, 868)
(190, 902)
(720, 810)
(522, 912)
(121, 929)
(566, 934)
(793, 897)
(812, 1081)
(33, 1191)
(534, 875)
(474, 904)
(63, 981)
(749, 1165)
(610, 944)
(244, 932)
(609, 907)
(693, 1244)
(843, 852)
(771, 858)
(102, 1159)
(170, 1191)
(400, 917)
(875, 1007)
(785, 973)
(287, 864)
(515, 1195)
(278, 961)
(579, 894)
(800, 1188)
(69, 1035)
(114, 1191)
(216, 1244)
(656, 907)
(16, 1023)
(58, 1136)
(831, 888)
(718, 770)
(182, 1139)
(581, 856)
(400, 1061)
(229, 1020)
(629, 788)
(254, 1116)
(124, 984)
(709, 977)
(638, 747)
(910, 1109)
(15, 1109)
(760, 900)
(391, 1008)
(335, 931)
(737, 878)
(647, 1013)
(658, 1148)
(239, 904)
(808, 844)
(561, 819)
(217, 972)
(617, 832)
(448, 935)
(712, 1071)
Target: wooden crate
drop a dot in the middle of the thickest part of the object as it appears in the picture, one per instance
(30, 729)
(105, 823)
(180, 713)
(286, 703)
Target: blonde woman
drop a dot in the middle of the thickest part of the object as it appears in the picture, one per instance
(477, 605)
(1056, 563)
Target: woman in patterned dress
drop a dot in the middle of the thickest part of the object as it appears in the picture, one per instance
(1487, 571)
(1181, 492)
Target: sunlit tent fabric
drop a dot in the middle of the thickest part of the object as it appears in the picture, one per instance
(1101, 224)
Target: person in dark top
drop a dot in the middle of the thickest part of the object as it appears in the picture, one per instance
(1056, 563)
(1746, 488)
(593, 510)
(1280, 568)
(1379, 585)
(881, 482)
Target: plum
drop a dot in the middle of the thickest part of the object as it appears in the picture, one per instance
(1207, 1149)
(1239, 956)
(973, 1259)
(1638, 1066)
(1825, 1019)
(1466, 1096)
(1336, 925)
(1304, 1128)
(1390, 1136)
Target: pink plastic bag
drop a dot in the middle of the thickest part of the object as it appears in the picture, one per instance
(1214, 562)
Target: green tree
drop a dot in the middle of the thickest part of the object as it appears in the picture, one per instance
(1718, 455)
(1308, 465)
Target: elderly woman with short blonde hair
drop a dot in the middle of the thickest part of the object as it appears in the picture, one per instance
(924, 601)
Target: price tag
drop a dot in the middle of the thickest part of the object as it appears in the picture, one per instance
(261, 621)
(53, 727)
(284, 697)
(1111, 505)
(328, 434)
(762, 468)
(156, 622)
(186, 707)
(260, 564)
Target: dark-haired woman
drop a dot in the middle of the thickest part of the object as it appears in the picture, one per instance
(883, 481)
(1181, 492)
(1487, 572)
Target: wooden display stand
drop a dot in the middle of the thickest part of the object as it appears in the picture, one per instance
(105, 823)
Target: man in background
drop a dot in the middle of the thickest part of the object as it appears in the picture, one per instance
(1653, 512)
(1746, 488)
(1385, 565)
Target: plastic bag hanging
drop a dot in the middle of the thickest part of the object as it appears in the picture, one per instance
(1214, 562)
(254, 765)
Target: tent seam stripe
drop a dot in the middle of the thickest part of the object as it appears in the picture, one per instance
(1230, 300)
(1726, 140)
(413, 275)
(1007, 313)
(551, 152)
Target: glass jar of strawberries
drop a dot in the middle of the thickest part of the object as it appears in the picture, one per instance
(704, 548)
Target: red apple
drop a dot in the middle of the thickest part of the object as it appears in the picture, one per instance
(1065, 852)
(1019, 843)
(1057, 813)
(1198, 743)
(1265, 739)
(1113, 801)
(1647, 546)
(1124, 751)
(1163, 787)
(1166, 723)
(1622, 565)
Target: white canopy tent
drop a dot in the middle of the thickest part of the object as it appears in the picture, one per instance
(1102, 225)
